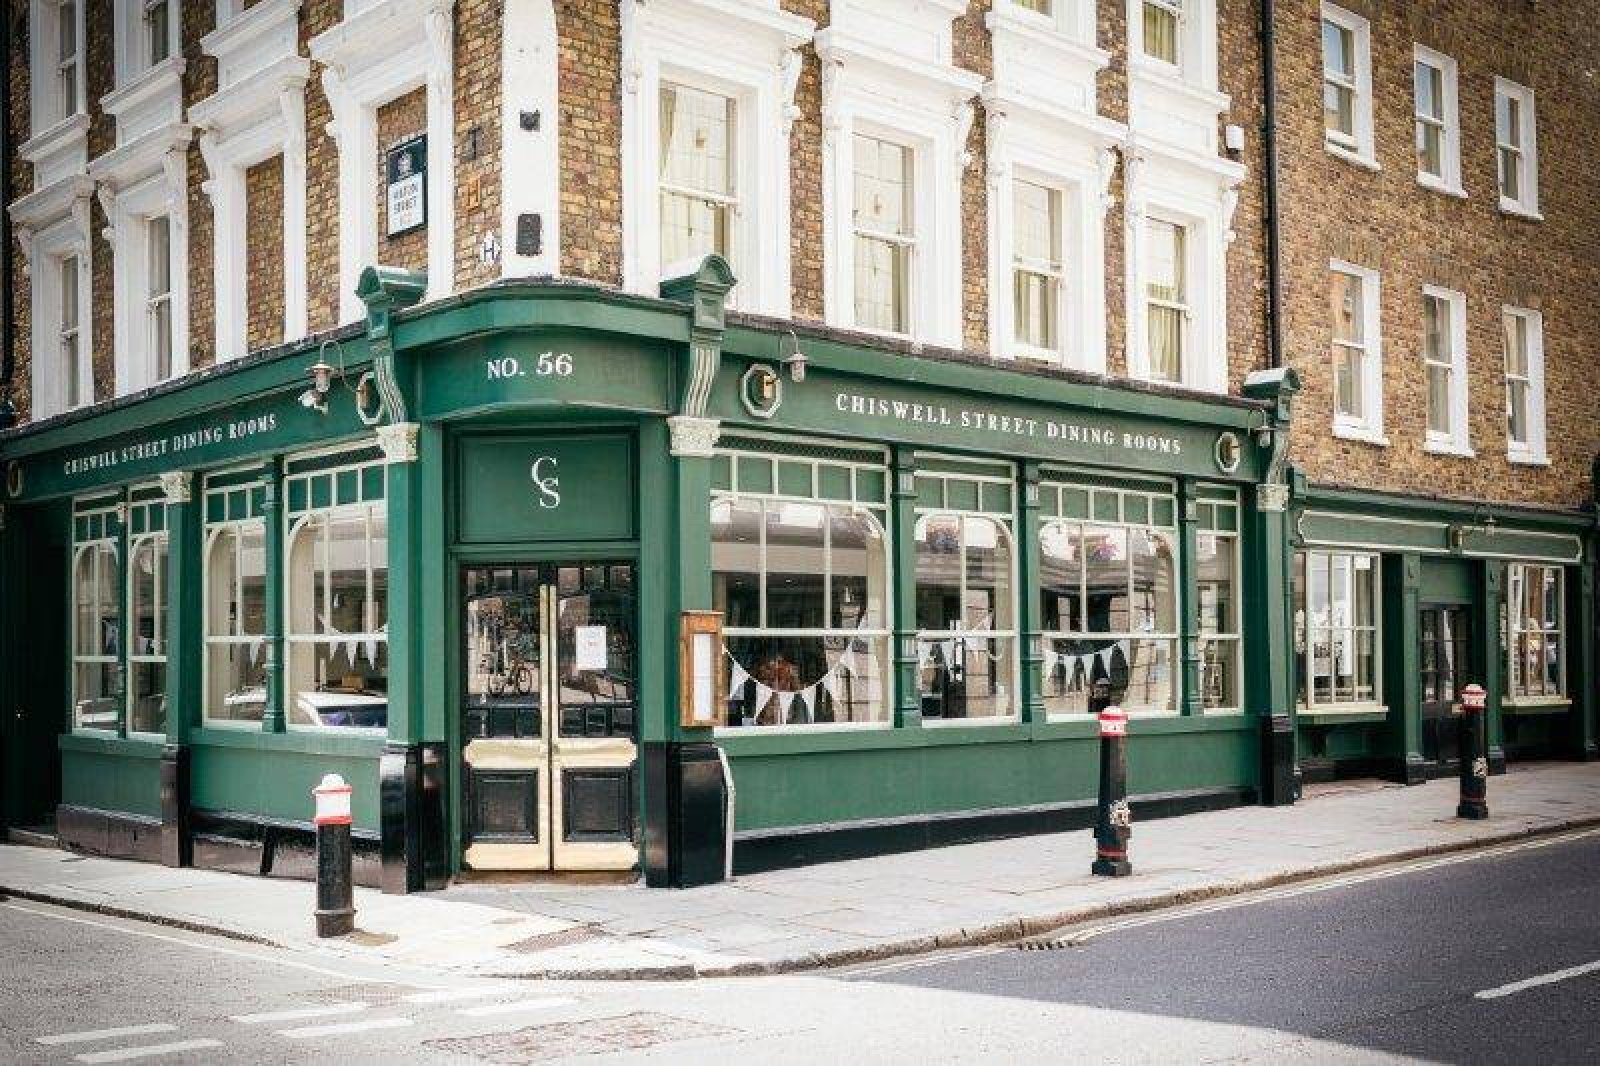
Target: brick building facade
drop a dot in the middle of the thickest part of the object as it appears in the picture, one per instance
(1381, 440)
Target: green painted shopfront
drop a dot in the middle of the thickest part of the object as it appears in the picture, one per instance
(455, 554)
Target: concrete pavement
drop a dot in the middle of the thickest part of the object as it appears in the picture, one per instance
(830, 914)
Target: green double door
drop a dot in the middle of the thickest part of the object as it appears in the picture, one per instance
(549, 716)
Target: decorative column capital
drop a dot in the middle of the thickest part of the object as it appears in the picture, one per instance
(1272, 496)
(399, 442)
(693, 438)
(177, 486)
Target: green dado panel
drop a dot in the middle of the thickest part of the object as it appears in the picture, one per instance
(277, 784)
(844, 786)
(544, 487)
(111, 782)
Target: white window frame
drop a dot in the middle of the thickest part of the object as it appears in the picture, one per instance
(888, 71)
(79, 547)
(258, 112)
(131, 211)
(1360, 148)
(1457, 440)
(1177, 9)
(1234, 635)
(48, 109)
(903, 244)
(1367, 428)
(163, 548)
(1527, 204)
(1003, 525)
(63, 240)
(255, 642)
(376, 54)
(1184, 305)
(1053, 270)
(1530, 452)
(319, 520)
(1196, 64)
(132, 39)
(1169, 195)
(1303, 633)
(158, 300)
(749, 54)
(1519, 625)
(1448, 180)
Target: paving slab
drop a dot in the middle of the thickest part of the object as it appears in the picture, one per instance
(783, 920)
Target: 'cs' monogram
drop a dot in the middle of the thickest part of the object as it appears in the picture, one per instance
(548, 487)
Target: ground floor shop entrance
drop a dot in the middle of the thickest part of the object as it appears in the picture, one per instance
(549, 716)
(1446, 633)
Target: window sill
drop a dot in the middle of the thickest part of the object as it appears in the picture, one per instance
(1527, 459)
(1361, 434)
(1513, 209)
(1536, 705)
(1451, 448)
(1343, 714)
(727, 731)
(1441, 186)
(1350, 155)
(952, 723)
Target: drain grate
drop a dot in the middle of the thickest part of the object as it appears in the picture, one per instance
(591, 1036)
(561, 938)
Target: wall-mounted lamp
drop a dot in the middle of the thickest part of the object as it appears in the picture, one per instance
(316, 397)
(1483, 521)
(794, 360)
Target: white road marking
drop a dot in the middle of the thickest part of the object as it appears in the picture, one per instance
(148, 1051)
(451, 995)
(1343, 881)
(309, 1031)
(217, 948)
(1543, 979)
(919, 961)
(517, 1005)
(301, 1012)
(107, 1034)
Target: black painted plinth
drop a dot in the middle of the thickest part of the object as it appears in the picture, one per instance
(177, 833)
(685, 815)
(336, 909)
(1277, 761)
(411, 836)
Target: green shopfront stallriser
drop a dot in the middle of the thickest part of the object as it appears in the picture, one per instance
(557, 462)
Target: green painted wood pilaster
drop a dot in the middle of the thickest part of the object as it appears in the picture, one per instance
(1401, 647)
(1029, 606)
(185, 622)
(272, 513)
(1491, 619)
(123, 688)
(692, 477)
(1188, 598)
(403, 499)
(657, 590)
(434, 602)
(1267, 613)
(1585, 728)
(903, 523)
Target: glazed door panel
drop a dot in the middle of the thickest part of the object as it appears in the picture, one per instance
(1446, 645)
(549, 717)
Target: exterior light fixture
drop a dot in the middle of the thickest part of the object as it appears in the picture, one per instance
(795, 360)
(316, 397)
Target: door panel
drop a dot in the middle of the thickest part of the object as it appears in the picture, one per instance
(549, 717)
(1444, 662)
(505, 757)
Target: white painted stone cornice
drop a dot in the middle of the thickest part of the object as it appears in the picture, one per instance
(47, 205)
(60, 139)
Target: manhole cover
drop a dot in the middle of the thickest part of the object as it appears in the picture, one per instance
(593, 1036)
(559, 939)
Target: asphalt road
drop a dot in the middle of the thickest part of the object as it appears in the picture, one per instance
(1385, 967)
(1391, 964)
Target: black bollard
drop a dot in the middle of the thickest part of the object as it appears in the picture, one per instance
(1474, 755)
(336, 909)
(1113, 820)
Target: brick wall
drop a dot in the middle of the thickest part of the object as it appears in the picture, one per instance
(19, 122)
(591, 125)
(805, 175)
(477, 113)
(1415, 236)
(199, 82)
(322, 179)
(263, 250)
(99, 76)
(400, 120)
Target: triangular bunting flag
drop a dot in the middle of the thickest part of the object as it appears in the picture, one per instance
(372, 650)
(784, 700)
(834, 683)
(763, 697)
(736, 677)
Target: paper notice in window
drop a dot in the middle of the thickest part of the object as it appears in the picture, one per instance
(591, 648)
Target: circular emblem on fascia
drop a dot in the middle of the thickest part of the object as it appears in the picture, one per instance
(14, 478)
(761, 389)
(1228, 453)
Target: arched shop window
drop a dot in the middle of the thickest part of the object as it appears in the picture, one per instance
(1109, 581)
(96, 620)
(336, 599)
(1534, 605)
(147, 618)
(802, 584)
(966, 599)
(235, 604)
